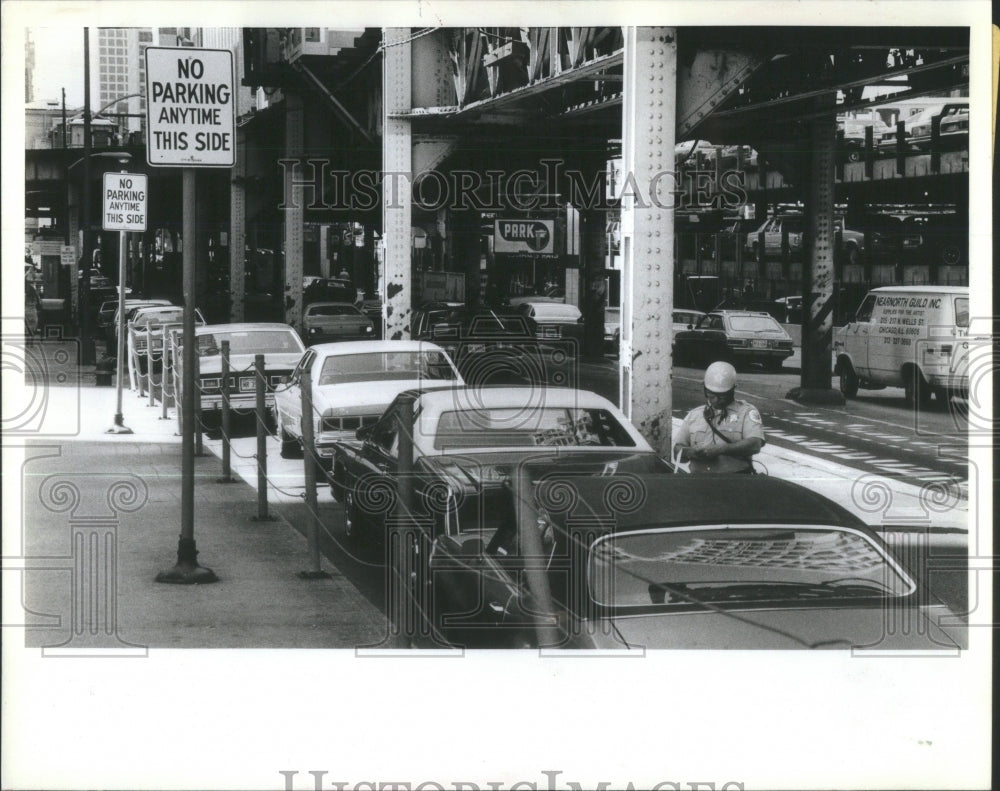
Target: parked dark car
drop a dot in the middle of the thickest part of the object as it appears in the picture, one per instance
(468, 442)
(487, 345)
(331, 289)
(739, 336)
(637, 561)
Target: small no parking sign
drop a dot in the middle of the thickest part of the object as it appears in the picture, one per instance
(125, 200)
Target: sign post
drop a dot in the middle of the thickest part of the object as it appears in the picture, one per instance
(125, 201)
(190, 123)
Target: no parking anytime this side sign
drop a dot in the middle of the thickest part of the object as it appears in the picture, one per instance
(125, 202)
(190, 107)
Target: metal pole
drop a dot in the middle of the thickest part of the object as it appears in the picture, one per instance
(87, 353)
(196, 358)
(546, 632)
(119, 427)
(227, 476)
(144, 383)
(309, 446)
(262, 515)
(149, 366)
(401, 536)
(167, 365)
(187, 570)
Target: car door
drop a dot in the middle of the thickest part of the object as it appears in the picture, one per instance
(379, 462)
(858, 336)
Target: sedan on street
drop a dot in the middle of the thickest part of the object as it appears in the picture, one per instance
(467, 445)
(638, 561)
(352, 383)
(279, 344)
(738, 336)
(335, 321)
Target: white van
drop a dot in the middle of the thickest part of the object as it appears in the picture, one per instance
(915, 337)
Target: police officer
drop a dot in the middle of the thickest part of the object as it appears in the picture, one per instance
(723, 435)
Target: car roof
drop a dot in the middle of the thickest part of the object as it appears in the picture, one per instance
(322, 304)
(741, 313)
(675, 500)
(361, 347)
(494, 396)
(245, 326)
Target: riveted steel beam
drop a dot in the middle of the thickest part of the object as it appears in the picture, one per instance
(705, 80)
(294, 212)
(648, 124)
(237, 229)
(397, 158)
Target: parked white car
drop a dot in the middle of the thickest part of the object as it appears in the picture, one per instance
(279, 343)
(352, 384)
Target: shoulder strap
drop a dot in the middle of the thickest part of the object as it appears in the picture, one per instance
(719, 434)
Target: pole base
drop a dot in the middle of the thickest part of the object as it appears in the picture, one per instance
(187, 571)
(227, 480)
(118, 429)
(187, 574)
(816, 395)
(313, 575)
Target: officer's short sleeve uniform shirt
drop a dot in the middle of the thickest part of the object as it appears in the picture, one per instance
(740, 420)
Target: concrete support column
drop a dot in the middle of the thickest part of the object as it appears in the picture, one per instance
(237, 230)
(648, 131)
(294, 211)
(395, 283)
(818, 276)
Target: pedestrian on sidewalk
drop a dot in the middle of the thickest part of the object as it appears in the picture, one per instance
(726, 433)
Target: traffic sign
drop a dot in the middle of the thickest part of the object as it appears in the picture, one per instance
(190, 107)
(125, 201)
(524, 236)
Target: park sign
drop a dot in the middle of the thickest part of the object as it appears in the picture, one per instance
(125, 201)
(190, 107)
(524, 236)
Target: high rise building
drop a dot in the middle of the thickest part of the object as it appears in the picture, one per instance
(29, 67)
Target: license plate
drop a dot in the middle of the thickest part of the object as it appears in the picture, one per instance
(247, 384)
(476, 348)
(759, 344)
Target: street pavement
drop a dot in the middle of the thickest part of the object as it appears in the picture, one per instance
(261, 600)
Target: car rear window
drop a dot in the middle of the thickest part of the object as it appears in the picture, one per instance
(555, 310)
(385, 366)
(753, 324)
(529, 428)
(250, 342)
(332, 310)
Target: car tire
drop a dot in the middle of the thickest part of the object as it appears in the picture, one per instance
(915, 388)
(853, 155)
(848, 380)
(290, 447)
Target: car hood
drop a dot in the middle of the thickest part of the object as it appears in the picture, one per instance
(873, 628)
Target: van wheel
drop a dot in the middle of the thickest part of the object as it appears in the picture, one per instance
(848, 380)
(917, 391)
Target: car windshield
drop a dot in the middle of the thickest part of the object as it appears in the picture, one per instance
(555, 311)
(333, 310)
(721, 565)
(753, 324)
(528, 428)
(249, 342)
(160, 317)
(962, 311)
(385, 366)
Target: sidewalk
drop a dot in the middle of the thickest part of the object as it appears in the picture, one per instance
(260, 600)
